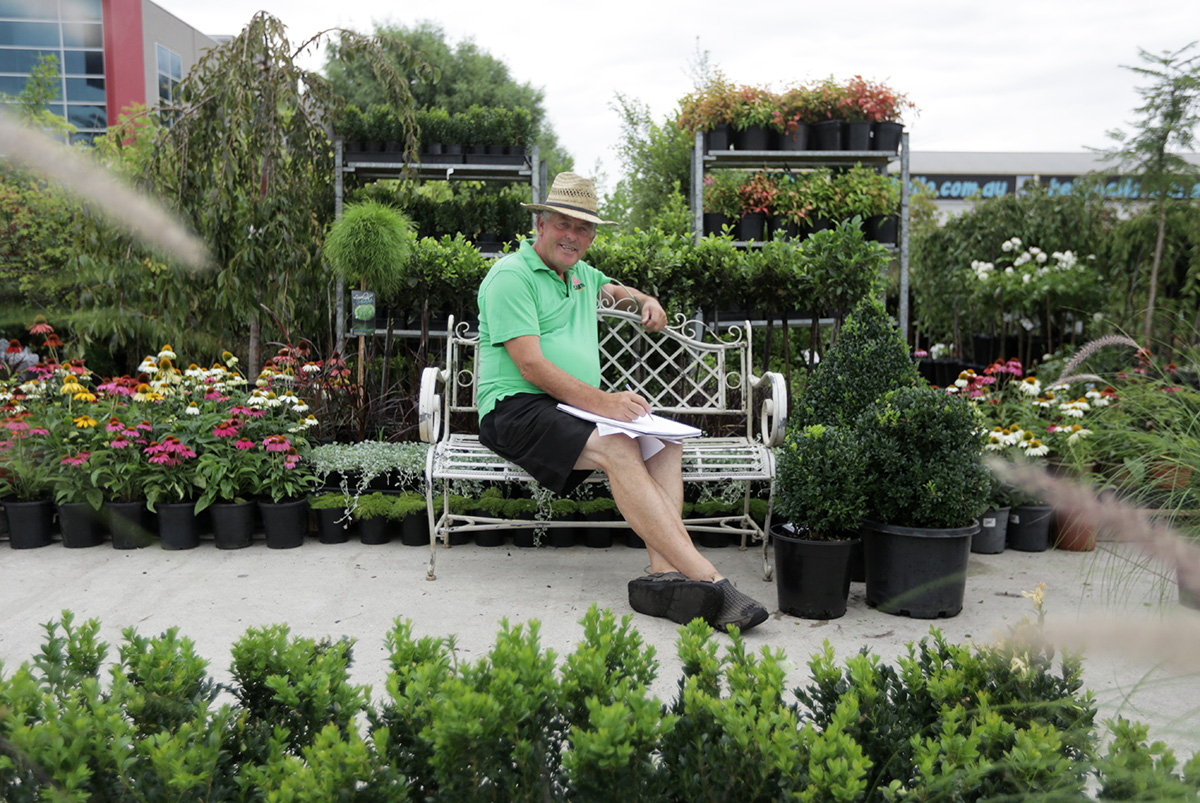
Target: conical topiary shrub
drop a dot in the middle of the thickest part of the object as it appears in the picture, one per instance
(868, 359)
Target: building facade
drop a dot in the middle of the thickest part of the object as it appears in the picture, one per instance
(110, 54)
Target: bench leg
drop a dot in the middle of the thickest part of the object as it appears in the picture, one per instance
(429, 573)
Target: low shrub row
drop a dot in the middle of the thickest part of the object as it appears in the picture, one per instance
(947, 722)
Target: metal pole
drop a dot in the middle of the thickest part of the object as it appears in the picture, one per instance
(698, 186)
(904, 226)
(340, 293)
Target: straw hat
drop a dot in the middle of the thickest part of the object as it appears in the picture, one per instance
(574, 196)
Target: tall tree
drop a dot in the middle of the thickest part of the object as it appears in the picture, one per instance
(1169, 113)
(465, 75)
(655, 164)
(248, 162)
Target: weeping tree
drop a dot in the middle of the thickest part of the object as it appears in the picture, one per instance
(1166, 129)
(248, 162)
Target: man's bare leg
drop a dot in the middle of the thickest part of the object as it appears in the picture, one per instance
(652, 510)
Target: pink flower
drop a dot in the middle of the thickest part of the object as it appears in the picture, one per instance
(244, 444)
(17, 426)
(76, 459)
(226, 429)
(39, 431)
(119, 442)
(215, 395)
(292, 459)
(164, 460)
(114, 425)
(277, 443)
(41, 328)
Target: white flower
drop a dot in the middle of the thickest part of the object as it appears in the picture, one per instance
(300, 408)
(1078, 432)
(1008, 271)
(1096, 398)
(1075, 408)
(1026, 278)
(1035, 448)
(148, 366)
(311, 368)
(1021, 260)
(192, 409)
(1016, 241)
(1041, 257)
(1030, 386)
(1099, 316)
(1008, 246)
(166, 354)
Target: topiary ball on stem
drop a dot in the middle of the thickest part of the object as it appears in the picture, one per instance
(370, 243)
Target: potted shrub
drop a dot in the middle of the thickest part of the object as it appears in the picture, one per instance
(369, 246)
(491, 505)
(790, 119)
(820, 496)
(825, 111)
(757, 203)
(710, 109)
(352, 127)
(284, 482)
(880, 106)
(874, 196)
(333, 517)
(563, 510)
(372, 512)
(795, 204)
(521, 508)
(601, 509)
(753, 115)
(410, 510)
(25, 486)
(171, 493)
(926, 486)
(722, 203)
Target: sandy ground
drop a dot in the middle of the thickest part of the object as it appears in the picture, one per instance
(356, 590)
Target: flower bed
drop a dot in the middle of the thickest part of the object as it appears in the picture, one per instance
(163, 435)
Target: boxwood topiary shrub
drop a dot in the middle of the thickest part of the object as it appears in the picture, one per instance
(868, 359)
(923, 452)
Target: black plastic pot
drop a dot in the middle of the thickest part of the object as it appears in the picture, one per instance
(917, 572)
(233, 524)
(284, 523)
(414, 530)
(30, 524)
(717, 139)
(886, 136)
(1029, 528)
(129, 524)
(751, 226)
(826, 135)
(752, 138)
(80, 525)
(177, 525)
(993, 532)
(374, 531)
(715, 222)
(796, 140)
(812, 578)
(330, 527)
(857, 136)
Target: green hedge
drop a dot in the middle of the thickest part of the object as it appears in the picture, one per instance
(948, 722)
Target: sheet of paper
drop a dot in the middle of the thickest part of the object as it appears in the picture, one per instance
(646, 425)
(649, 444)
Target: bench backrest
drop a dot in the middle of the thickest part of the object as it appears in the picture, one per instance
(677, 373)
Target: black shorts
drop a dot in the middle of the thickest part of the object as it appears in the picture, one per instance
(529, 430)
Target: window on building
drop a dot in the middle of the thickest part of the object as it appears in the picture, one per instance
(170, 73)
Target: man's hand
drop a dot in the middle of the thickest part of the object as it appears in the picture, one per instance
(624, 406)
(654, 317)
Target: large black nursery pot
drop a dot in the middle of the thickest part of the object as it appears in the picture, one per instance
(30, 524)
(886, 136)
(1029, 528)
(752, 138)
(130, 524)
(177, 525)
(825, 135)
(812, 578)
(233, 524)
(374, 531)
(717, 138)
(80, 525)
(414, 529)
(917, 572)
(284, 523)
(857, 136)
(993, 532)
(331, 528)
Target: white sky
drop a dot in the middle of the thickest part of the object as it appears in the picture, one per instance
(1015, 75)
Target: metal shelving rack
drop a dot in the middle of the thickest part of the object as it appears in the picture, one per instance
(788, 161)
(532, 171)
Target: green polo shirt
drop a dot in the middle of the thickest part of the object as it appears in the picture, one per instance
(522, 296)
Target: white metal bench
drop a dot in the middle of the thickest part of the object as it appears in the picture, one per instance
(678, 374)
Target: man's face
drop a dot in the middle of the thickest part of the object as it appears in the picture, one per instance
(562, 241)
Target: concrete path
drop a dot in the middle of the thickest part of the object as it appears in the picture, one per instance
(356, 590)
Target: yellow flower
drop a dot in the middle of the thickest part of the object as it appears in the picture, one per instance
(84, 421)
(83, 395)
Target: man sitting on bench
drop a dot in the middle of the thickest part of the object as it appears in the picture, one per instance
(538, 347)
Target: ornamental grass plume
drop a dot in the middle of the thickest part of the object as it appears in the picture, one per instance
(1066, 377)
(1173, 638)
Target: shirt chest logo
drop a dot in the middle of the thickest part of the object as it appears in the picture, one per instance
(576, 285)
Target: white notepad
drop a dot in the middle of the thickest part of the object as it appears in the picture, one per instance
(648, 424)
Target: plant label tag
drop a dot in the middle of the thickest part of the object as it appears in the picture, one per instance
(1015, 518)
(989, 522)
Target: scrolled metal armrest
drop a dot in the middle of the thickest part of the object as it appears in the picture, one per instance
(429, 409)
(774, 408)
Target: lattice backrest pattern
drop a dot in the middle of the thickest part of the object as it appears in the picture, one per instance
(675, 372)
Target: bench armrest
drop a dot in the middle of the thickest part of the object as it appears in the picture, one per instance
(429, 410)
(773, 416)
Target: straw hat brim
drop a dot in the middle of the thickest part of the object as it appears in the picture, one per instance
(577, 212)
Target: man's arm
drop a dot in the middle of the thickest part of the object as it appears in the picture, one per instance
(654, 317)
(526, 352)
